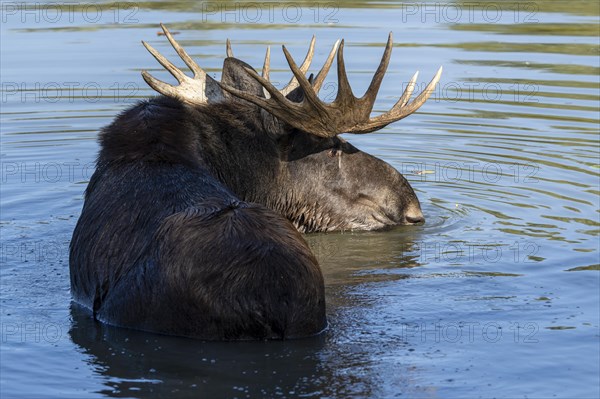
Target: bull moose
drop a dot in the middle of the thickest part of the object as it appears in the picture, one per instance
(191, 222)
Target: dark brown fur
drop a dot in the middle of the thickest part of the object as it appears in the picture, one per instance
(186, 226)
(163, 246)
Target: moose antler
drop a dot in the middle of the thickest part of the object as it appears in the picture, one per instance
(346, 113)
(197, 90)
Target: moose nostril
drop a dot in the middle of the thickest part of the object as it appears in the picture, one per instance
(415, 218)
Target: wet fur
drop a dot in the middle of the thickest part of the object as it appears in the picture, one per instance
(164, 245)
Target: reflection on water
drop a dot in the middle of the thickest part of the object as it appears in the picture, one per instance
(496, 295)
(172, 367)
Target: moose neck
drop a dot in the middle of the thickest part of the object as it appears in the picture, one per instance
(238, 152)
(237, 148)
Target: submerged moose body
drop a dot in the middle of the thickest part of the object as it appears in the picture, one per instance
(191, 222)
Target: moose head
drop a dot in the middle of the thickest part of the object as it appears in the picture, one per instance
(285, 149)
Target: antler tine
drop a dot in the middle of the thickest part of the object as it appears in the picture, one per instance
(318, 82)
(267, 64)
(368, 99)
(407, 92)
(169, 66)
(293, 83)
(159, 85)
(425, 94)
(266, 69)
(400, 110)
(195, 68)
(228, 49)
(344, 94)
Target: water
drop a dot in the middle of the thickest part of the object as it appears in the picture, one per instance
(497, 295)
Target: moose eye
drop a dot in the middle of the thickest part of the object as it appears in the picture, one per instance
(335, 151)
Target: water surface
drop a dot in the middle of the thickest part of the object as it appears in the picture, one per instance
(497, 295)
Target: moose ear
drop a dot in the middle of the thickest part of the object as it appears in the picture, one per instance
(235, 75)
(296, 95)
